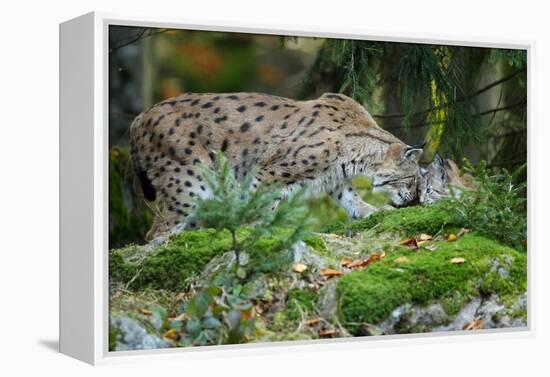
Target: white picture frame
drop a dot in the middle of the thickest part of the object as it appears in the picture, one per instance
(84, 191)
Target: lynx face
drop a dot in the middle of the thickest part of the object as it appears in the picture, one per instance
(398, 174)
(435, 182)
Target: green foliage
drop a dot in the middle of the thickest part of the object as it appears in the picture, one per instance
(218, 315)
(235, 203)
(129, 218)
(300, 303)
(513, 58)
(369, 296)
(222, 313)
(496, 207)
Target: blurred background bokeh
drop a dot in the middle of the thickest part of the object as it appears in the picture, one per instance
(463, 101)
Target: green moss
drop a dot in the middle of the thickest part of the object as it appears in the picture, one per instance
(300, 301)
(369, 296)
(316, 243)
(405, 221)
(186, 254)
(168, 267)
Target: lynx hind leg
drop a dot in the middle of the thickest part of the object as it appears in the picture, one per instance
(179, 184)
(352, 202)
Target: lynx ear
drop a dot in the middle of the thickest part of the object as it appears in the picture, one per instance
(438, 167)
(412, 154)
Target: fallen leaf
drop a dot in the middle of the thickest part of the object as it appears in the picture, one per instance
(452, 237)
(345, 261)
(328, 272)
(328, 333)
(171, 334)
(462, 232)
(146, 312)
(247, 314)
(474, 325)
(313, 321)
(299, 268)
(420, 243)
(458, 260)
(410, 242)
(401, 260)
(425, 237)
(383, 255)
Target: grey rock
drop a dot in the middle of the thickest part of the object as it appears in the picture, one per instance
(132, 336)
(301, 253)
(327, 301)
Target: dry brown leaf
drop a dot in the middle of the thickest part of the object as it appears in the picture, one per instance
(375, 257)
(328, 333)
(462, 232)
(452, 237)
(474, 325)
(299, 268)
(146, 311)
(313, 321)
(345, 261)
(329, 272)
(410, 242)
(247, 314)
(425, 237)
(383, 255)
(420, 243)
(401, 260)
(457, 260)
(171, 334)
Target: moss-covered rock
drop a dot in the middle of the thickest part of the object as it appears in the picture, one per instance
(425, 277)
(405, 221)
(167, 266)
(185, 255)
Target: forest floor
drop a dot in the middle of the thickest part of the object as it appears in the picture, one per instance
(404, 271)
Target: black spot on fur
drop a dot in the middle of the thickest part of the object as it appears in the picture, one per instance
(225, 145)
(220, 119)
(259, 104)
(207, 105)
(259, 118)
(195, 102)
(274, 107)
(244, 127)
(241, 109)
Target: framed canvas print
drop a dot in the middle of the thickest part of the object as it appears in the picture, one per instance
(226, 188)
